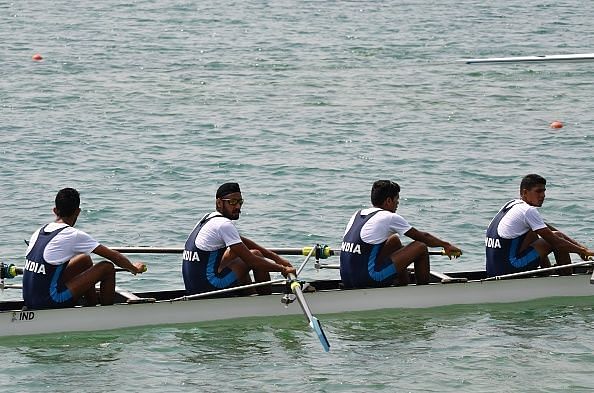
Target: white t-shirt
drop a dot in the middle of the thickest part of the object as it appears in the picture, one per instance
(218, 232)
(67, 244)
(520, 219)
(381, 226)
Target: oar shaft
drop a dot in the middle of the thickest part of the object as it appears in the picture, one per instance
(304, 251)
(336, 266)
(326, 251)
(10, 286)
(296, 288)
(537, 271)
(313, 322)
(227, 290)
(149, 250)
(309, 254)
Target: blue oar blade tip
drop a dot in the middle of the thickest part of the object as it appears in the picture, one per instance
(317, 327)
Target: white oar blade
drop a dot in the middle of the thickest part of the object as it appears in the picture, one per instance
(317, 328)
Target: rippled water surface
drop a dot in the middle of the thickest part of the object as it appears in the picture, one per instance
(147, 106)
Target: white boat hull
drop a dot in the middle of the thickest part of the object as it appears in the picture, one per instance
(164, 312)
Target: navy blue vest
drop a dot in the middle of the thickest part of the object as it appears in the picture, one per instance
(199, 267)
(502, 255)
(358, 258)
(41, 281)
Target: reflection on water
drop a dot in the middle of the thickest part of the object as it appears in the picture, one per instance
(472, 347)
(69, 348)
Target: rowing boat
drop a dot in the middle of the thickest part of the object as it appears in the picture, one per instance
(323, 296)
(579, 57)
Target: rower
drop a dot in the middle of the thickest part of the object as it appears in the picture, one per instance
(372, 254)
(59, 271)
(518, 239)
(216, 257)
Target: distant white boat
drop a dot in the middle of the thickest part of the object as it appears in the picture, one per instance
(582, 57)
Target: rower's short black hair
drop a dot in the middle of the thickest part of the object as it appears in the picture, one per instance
(532, 180)
(67, 201)
(226, 189)
(382, 190)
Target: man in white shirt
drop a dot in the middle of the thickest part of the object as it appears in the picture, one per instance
(518, 239)
(217, 257)
(372, 254)
(59, 270)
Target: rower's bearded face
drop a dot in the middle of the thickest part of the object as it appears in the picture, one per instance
(230, 205)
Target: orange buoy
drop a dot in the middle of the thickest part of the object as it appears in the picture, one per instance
(37, 57)
(556, 124)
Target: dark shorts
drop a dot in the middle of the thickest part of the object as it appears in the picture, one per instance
(197, 280)
(56, 296)
(528, 259)
(379, 274)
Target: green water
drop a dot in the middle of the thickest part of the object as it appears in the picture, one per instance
(147, 106)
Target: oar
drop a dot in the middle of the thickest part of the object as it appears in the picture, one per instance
(9, 271)
(322, 252)
(227, 290)
(537, 271)
(318, 265)
(10, 286)
(310, 251)
(314, 323)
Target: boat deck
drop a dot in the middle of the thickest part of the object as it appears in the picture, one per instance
(314, 286)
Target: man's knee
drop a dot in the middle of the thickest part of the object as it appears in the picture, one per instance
(542, 247)
(420, 248)
(393, 241)
(106, 268)
(81, 261)
(257, 253)
(240, 268)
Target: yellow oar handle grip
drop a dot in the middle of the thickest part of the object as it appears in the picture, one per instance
(295, 284)
(322, 252)
(9, 271)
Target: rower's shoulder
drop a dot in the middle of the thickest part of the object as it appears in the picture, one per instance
(371, 210)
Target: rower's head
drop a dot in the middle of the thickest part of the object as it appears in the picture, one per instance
(385, 194)
(532, 189)
(67, 205)
(229, 200)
